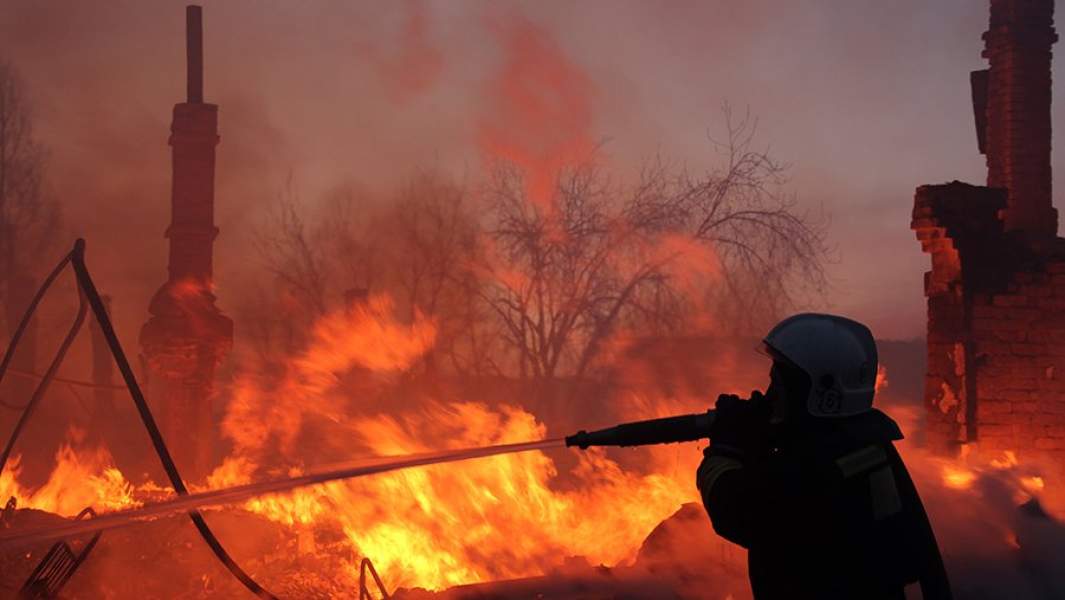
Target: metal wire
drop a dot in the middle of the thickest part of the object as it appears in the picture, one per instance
(25, 322)
(88, 297)
(88, 288)
(71, 384)
(42, 387)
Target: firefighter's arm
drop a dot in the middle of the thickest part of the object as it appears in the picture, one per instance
(722, 486)
(725, 484)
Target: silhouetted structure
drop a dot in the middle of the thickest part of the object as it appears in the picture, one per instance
(187, 336)
(996, 328)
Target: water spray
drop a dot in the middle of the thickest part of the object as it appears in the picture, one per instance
(683, 428)
(190, 502)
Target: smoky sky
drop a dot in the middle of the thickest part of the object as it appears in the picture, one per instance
(864, 99)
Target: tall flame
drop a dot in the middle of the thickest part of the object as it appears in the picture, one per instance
(81, 479)
(439, 526)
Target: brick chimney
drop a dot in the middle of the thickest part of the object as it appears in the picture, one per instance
(187, 337)
(996, 290)
(1016, 97)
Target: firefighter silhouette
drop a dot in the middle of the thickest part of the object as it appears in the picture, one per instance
(807, 478)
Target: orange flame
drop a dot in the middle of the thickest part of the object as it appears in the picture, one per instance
(486, 519)
(881, 378)
(79, 480)
(448, 524)
(958, 477)
(363, 335)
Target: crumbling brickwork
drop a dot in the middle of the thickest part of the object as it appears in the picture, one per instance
(996, 290)
(187, 337)
(1019, 338)
(1017, 46)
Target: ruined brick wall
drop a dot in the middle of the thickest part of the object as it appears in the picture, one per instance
(996, 290)
(1019, 338)
(957, 224)
(996, 328)
(1017, 46)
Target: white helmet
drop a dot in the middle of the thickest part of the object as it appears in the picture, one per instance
(839, 356)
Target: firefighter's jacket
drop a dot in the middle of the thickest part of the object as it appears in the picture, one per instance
(828, 511)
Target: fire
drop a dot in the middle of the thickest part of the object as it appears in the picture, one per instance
(961, 475)
(958, 477)
(444, 525)
(434, 527)
(362, 335)
(881, 378)
(500, 517)
(79, 479)
(1033, 484)
(1008, 460)
(487, 519)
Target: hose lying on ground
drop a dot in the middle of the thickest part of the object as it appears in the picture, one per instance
(87, 293)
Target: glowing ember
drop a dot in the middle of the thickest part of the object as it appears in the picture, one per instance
(881, 378)
(1033, 484)
(958, 477)
(1008, 460)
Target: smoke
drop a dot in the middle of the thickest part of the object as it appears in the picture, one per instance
(365, 93)
(412, 64)
(539, 113)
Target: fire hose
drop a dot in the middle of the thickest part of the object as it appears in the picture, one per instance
(668, 430)
(229, 495)
(87, 294)
(683, 428)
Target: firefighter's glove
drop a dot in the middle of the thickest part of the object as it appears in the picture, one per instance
(741, 427)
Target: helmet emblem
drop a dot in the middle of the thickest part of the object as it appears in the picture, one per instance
(830, 401)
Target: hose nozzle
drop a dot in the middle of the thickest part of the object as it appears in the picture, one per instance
(685, 428)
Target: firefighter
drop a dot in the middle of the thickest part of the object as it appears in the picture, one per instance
(806, 476)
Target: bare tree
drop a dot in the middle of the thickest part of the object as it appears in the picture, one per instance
(418, 246)
(537, 288)
(565, 276)
(312, 256)
(293, 259)
(772, 254)
(431, 242)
